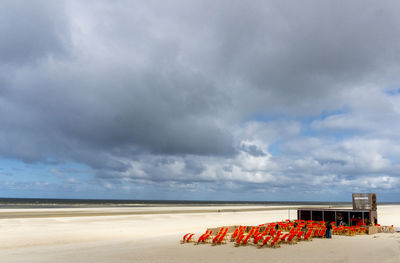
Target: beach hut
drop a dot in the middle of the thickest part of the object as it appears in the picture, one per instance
(364, 212)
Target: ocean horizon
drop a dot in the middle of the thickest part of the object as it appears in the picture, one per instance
(71, 203)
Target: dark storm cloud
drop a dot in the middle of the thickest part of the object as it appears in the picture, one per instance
(305, 54)
(108, 83)
(31, 30)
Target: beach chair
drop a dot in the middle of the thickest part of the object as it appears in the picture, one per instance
(272, 232)
(238, 231)
(353, 231)
(292, 239)
(222, 232)
(257, 239)
(322, 233)
(184, 238)
(189, 238)
(275, 242)
(347, 231)
(234, 234)
(203, 237)
(299, 235)
(222, 238)
(241, 233)
(265, 241)
(256, 231)
(266, 231)
(308, 235)
(333, 230)
(215, 238)
(239, 239)
(200, 239)
(207, 237)
(338, 230)
(284, 237)
(245, 238)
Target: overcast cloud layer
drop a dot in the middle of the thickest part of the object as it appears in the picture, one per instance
(260, 100)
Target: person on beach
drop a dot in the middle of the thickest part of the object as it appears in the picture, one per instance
(328, 230)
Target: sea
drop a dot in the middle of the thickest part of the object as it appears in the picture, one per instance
(31, 203)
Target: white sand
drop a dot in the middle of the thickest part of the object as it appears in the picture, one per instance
(155, 238)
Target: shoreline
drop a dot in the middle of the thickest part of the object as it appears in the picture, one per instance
(115, 211)
(10, 213)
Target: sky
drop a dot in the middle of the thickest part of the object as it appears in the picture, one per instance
(200, 100)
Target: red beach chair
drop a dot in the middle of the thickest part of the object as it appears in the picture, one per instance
(299, 234)
(308, 235)
(237, 233)
(184, 238)
(266, 231)
(221, 232)
(203, 238)
(257, 239)
(189, 238)
(256, 231)
(353, 231)
(272, 232)
(291, 239)
(284, 237)
(239, 239)
(322, 233)
(222, 238)
(246, 238)
(275, 242)
(265, 242)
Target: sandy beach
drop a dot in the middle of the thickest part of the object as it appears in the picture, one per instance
(153, 234)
